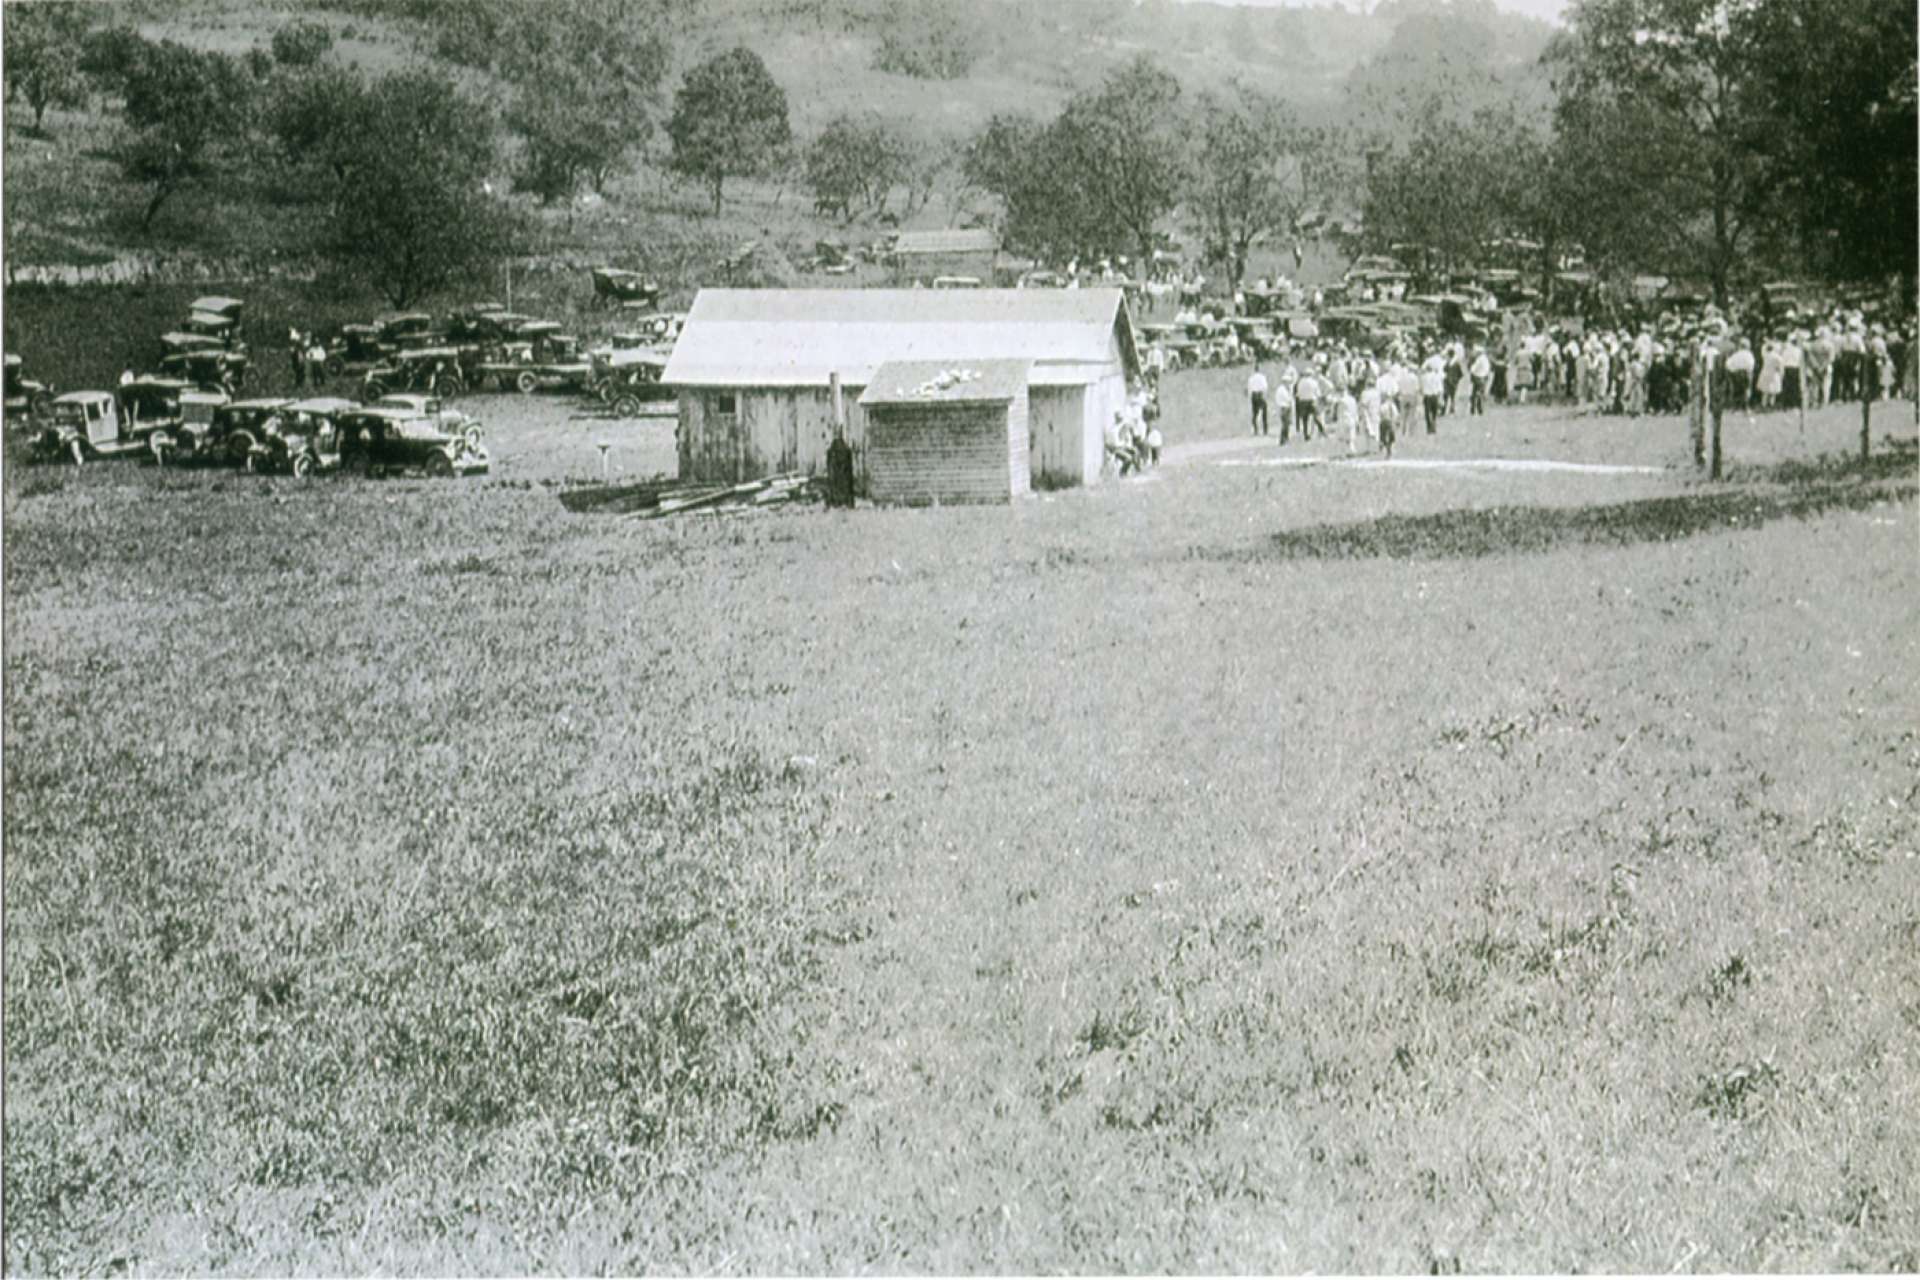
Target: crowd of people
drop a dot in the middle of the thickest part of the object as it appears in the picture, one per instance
(1366, 399)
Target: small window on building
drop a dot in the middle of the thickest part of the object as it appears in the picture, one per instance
(725, 405)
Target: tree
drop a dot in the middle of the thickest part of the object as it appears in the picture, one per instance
(413, 213)
(187, 107)
(587, 90)
(853, 165)
(43, 56)
(1121, 154)
(729, 120)
(1255, 174)
(1841, 74)
(1675, 88)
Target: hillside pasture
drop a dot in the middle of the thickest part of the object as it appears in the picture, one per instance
(1329, 867)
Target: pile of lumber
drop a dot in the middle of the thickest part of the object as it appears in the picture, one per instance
(655, 499)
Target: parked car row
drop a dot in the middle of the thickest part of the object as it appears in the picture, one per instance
(176, 422)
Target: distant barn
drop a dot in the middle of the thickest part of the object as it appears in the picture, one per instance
(752, 367)
(926, 256)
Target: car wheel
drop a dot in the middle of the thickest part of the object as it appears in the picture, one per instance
(439, 465)
(41, 402)
(627, 406)
(373, 391)
(239, 447)
(332, 366)
(526, 382)
(301, 466)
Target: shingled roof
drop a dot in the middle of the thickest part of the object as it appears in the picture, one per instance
(797, 337)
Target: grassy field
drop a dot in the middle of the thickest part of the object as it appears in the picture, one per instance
(1311, 868)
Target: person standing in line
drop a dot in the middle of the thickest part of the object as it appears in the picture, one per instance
(1306, 398)
(1740, 363)
(1481, 371)
(1772, 374)
(1283, 405)
(1407, 378)
(1257, 399)
(1433, 386)
(1368, 415)
(1346, 414)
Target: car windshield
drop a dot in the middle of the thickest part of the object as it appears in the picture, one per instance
(70, 413)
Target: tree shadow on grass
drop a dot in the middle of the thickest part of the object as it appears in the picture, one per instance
(1762, 494)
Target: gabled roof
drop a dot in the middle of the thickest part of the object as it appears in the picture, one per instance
(797, 337)
(946, 382)
(957, 240)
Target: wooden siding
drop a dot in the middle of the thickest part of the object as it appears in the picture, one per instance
(947, 453)
(773, 431)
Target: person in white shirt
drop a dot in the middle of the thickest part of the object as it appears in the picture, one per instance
(1481, 371)
(1368, 417)
(1283, 405)
(1433, 385)
(1739, 369)
(1257, 399)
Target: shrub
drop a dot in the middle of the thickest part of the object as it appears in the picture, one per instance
(301, 44)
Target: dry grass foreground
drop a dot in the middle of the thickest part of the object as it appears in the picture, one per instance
(1266, 871)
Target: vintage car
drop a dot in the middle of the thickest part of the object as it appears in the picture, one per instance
(229, 434)
(613, 285)
(356, 348)
(375, 441)
(629, 382)
(25, 397)
(161, 407)
(215, 369)
(477, 322)
(653, 329)
(302, 437)
(140, 417)
(404, 329)
(538, 357)
(1042, 280)
(434, 370)
(231, 309)
(956, 282)
(223, 328)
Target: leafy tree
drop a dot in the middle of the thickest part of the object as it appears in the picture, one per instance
(729, 120)
(1121, 157)
(301, 44)
(853, 165)
(587, 92)
(413, 214)
(43, 56)
(1841, 76)
(1256, 172)
(1676, 87)
(320, 118)
(1446, 188)
(188, 108)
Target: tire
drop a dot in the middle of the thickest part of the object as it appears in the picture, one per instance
(42, 401)
(627, 406)
(333, 366)
(526, 382)
(239, 447)
(439, 466)
(451, 387)
(372, 391)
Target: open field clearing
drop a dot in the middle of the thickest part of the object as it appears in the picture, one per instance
(1332, 868)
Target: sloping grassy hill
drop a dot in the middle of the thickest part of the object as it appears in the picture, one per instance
(67, 203)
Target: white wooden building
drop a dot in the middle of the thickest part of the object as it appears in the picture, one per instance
(752, 369)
